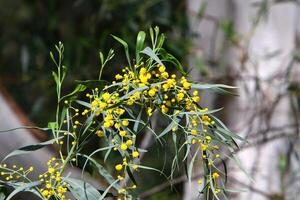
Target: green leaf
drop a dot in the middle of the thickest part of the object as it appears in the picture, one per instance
(139, 45)
(174, 122)
(23, 187)
(55, 77)
(201, 113)
(171, 59)
(131, 175)
(213, 87)
(101, 57)
(94, 83)
(191, 165)
(28, 149)
(82, 190)
(231, 134)
(137, 122)
(79, 88)
(152, 169)
(107, 189)
(102, 171)
(83, 103)
(125, 45)
(149, 52)
(2, 196)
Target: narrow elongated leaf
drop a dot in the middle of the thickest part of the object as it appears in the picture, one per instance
(79, 88)
(82, 190)
(138, 119)
(191, 165)
(102, 171)
(139, 45)
(219, 88)
(202, 113)
(23, 187)
(229, 133)
(174, 122)
(30, 148)
(107, 189)
(94, 83)
(131, 175)
(88, 105)
(125, 45)
(171, 59)
(2, 196)
(149, 52)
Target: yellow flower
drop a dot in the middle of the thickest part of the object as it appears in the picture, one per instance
(135, 154)
(119, 167)
(106, 96)
(194, 132)
(196, 99)
(215, 175)
(135, 167)
(165, 75)
(203, 147)
(125, 122)
(51, 170)
(149, 111)
(152, 92)
(180, 96)
(186, 85)
(106, 124)
(100, 133)
(124, 147)
(102, 105)
(161, 69)
(164, 109)
(122, 133)
(129, 142)
(45, 193)
(118, 77)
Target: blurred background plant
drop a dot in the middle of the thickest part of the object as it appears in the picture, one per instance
(30, 28)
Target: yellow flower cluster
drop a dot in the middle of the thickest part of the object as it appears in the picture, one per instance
(154, 89)
(53, 184)
(14, 172)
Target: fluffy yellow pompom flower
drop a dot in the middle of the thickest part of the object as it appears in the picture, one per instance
(119, 167)
(51, 170)
(135, 154)
(100, 133)
(149, 111)
(152, 92)
(124, 147)
(122, 133)
(106, 96)
(125, 122)
(129, 142)
(215, 175)
(164, 109)
(186, 85)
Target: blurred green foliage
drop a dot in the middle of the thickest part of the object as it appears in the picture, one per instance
(30, 28)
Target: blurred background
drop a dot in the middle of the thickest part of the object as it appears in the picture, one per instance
(251, 44)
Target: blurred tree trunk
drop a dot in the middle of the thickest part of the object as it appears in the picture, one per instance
(262, 61)
(257, 58)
